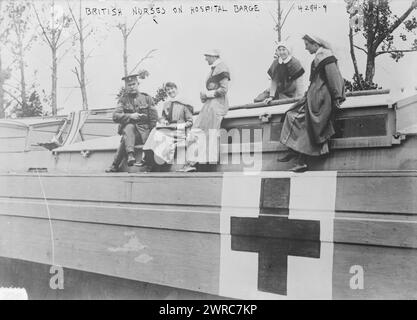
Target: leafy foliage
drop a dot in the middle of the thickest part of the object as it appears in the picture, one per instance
(360, 84)
(142, 74)
(19, 16)
(121, 93)
(382, 30)
(160, 94)
(33, 108)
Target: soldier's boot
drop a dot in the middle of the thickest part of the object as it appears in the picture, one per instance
(148, 168)
(141, 163)
(146, 160)
(131, 159)
(118, 158)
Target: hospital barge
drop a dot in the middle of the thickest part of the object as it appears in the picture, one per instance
(344, 230)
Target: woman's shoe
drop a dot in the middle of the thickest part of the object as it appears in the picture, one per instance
(189, 169)
(299, 168)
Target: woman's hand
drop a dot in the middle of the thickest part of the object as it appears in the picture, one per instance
(268, 100)
(203, 97)
(338, 104)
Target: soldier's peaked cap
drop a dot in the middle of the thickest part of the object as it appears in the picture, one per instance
(130, 77)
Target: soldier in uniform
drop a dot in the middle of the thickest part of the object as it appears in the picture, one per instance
(137, 116)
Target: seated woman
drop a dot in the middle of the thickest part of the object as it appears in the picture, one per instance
(308, 125)
(286, 77)
(177, 117)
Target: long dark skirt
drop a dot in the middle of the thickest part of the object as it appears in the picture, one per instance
(297, 135)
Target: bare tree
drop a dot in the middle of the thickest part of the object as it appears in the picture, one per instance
(143, 73)
(83, 32)
(23, 37)
(354, 24)
(377, 24)
(126, 30)
(280, 19)
(4, 73)
(52, 26)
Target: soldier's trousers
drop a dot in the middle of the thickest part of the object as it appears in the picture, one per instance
(130, 138)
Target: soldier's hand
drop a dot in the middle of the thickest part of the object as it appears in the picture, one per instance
(135, 116)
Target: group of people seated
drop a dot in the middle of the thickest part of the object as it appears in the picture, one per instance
(307, 125)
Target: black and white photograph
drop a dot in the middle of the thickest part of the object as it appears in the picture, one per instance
(204, 150)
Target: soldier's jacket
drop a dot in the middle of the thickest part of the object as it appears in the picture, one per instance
(142, 104)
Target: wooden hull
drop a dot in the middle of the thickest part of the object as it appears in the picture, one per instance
(246, 228)
(271, 235)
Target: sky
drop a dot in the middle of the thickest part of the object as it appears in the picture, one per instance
(246, 40)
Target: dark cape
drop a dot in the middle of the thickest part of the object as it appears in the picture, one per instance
(285, 74)
(308, 123)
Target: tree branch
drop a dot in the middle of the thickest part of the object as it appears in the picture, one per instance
(147, 56)
(288, 12)
(353, 55)
(75, 71)
(362, 49)
(63, 55)
(88, 34)
(133, 26)
(272, 16)
(42, 27)
(137, 20)
(73, 17)
(58, 45)
(89, 55)
(13, 96)
(12, 63)
(12, 86)
(395, 51)
(397, 23)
